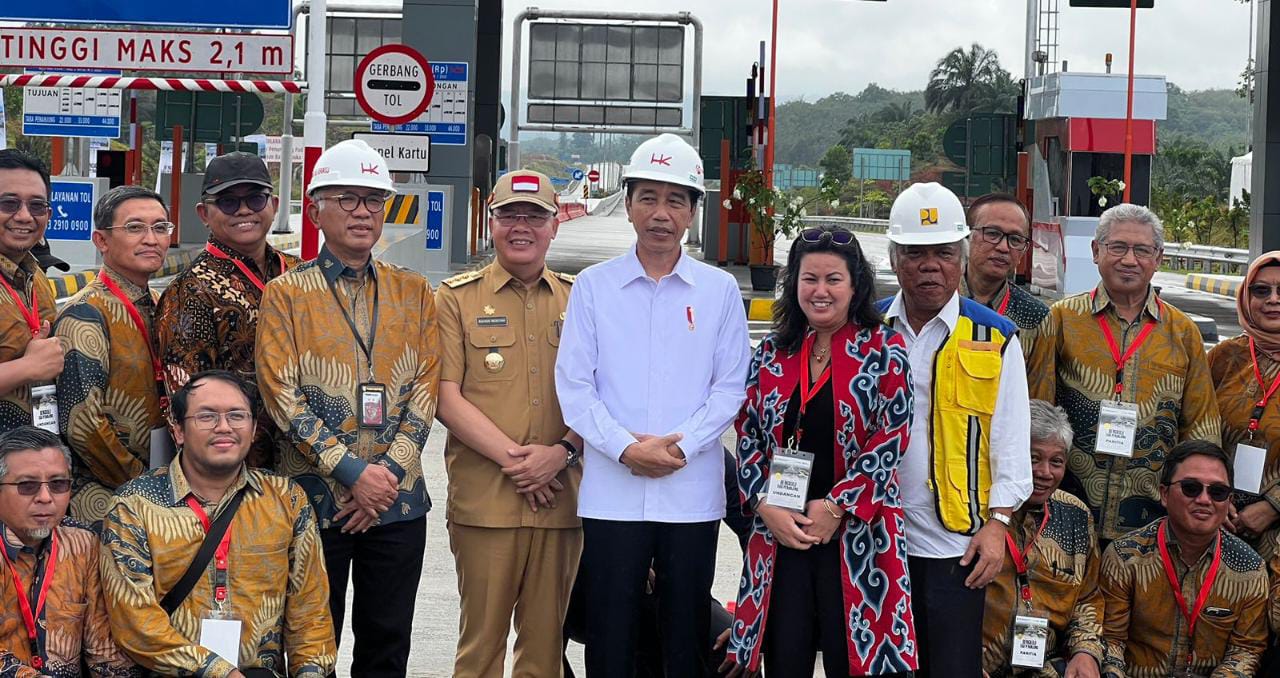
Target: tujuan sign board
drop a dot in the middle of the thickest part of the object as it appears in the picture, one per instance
(221, 14)
(446, 119)
(146, 50)
(71, 111)
(404, 152)
(394, 84)
(72, 217)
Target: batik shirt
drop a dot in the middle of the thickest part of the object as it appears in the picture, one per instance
(1168, 379)
(1062, 569)
(107, 392)
(208, 318)
(1144, 630)
(277, 586)
(27, 279)
(310, 368)
(74, 624)
(1024, 309)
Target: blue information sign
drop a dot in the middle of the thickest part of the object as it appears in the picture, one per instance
(69, 111)
(224, 13)
(72, 217)
(435, 220)
(446, 119)
(578, 174)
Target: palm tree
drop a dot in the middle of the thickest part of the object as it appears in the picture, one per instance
(955, 80)
(899, 112)
(999, 95)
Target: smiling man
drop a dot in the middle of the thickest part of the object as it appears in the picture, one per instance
(110, 392)
(208, 316)
(1159, 620)
(999, 237)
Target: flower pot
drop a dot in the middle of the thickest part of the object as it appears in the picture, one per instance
(764, 278)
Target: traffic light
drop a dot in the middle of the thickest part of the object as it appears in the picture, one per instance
(112, 165)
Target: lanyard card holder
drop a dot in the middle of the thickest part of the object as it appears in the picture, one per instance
(789, 479)
(1030, 640)
(1117, 428)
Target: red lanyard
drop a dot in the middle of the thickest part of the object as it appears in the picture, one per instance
(31, 315)
(29, 617)
(213, 249)
(1020, 560)
(808, 393)
(1209, 577)
(1121, 360)
(146, 336)
(219, 555)
(1256, 416)
(1004, 303)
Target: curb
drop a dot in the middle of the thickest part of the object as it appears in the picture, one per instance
(758, 308)
(1214, 284)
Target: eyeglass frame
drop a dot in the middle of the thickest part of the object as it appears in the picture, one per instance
(48, 206)
(513, 219)
(240, 200)
(1204, 489)
(168, 231)
(39, 485)
(1107, 244)
(221, 416)
(361, 200)
(1270, 291)
(820, 234)
(986, 233)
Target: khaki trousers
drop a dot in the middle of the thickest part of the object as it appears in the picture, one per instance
(525, 571)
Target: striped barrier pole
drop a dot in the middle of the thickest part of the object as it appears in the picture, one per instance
(144, 83)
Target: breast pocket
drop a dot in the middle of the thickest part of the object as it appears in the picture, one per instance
(491, 354)
(979, 380)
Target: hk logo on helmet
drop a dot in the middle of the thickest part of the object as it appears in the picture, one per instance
(656, 159)
(368, 169)
(928, 216)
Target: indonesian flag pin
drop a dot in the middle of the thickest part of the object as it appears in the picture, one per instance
(688, 313)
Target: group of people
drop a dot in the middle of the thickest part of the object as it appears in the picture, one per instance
(190, 481)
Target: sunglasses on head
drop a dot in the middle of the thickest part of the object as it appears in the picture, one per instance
(230, 204)
(838, 236)
(1192, 488)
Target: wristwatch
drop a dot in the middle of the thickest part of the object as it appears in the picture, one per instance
(571, 457)
(1001, 517)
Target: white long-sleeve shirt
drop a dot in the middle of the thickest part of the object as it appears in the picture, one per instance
(1010, 454)
(639, 356)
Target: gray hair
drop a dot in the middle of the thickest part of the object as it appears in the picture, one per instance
(104, 213)
(893, 252)
(1126, 212)
(29, 439)
(1049, 423)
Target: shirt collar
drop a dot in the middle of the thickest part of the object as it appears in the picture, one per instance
(11, 550)
(24, 268)
(1101, 300)
(131, 291)
(634, 270)
(272, 254)
(497, 277)
(1175, 549)
(331, 267)
(181, 488)
(964, 291)
(950, 313)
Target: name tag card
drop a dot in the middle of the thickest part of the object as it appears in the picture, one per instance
(1030, 637)
(789, 479)
(222, 637)
(1117, 428)
(1249, 463)
(44, 407)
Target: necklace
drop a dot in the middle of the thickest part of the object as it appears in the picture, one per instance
(820, 354)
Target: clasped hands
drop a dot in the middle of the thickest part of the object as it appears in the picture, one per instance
(373, 493)
(654, 456)
(533, 469)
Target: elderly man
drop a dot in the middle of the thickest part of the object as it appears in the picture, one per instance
(965, 469)
(111, 394)
(1184, 597)
(260, 597)
(53, 620)
(1000, 235)
(29, 357)
(208, 315)
(515, 543)
(1130, 371)
(349, 366)
(651, 371)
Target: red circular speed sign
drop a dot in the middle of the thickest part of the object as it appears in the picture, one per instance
(594, 176)
(394, 84)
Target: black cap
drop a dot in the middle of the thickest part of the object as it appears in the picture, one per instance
(232, 169)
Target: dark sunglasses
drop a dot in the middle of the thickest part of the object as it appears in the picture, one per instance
(1263, 291)
(1192, 488)
(838, 236)
(30, 488)
(230, 204)
(36, 208)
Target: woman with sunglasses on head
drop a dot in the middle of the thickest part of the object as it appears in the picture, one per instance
(819, 441)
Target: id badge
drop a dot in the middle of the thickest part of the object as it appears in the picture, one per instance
(789, 479)
(1117, 427)
(221, 637)
(44, 407)
(1030, 637)
(161, 447)
(373, 405)
(1249, 463)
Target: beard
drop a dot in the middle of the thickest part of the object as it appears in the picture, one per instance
(37, 534)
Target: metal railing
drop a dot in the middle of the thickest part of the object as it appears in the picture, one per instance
(851, 223)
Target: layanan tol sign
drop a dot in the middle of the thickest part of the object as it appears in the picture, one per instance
(146, 50)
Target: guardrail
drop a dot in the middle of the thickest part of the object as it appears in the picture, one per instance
(851, 223)
(1206, 259)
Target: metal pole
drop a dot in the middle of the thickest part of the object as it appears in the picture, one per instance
(313, 125)
(1128, 116)
(1033, 14)
(513, 115)
(286, 168)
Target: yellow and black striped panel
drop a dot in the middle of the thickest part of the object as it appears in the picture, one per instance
(403, 209)
(1213, 285)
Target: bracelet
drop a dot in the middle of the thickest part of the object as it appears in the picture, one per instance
(827, 503)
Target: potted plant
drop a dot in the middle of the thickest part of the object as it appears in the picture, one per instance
(773, 214)
(1104, 189)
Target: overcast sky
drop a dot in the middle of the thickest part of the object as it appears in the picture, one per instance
(826, 46)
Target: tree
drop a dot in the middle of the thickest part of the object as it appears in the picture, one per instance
(956, 80)
(837, 164)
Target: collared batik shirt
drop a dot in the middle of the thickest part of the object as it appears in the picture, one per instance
(27, 279)
(1062, 569)
(208, 318)
(277, 586)
(107, 398)
(310, 367)
(73, 626)
(1144, 630)
(1168, 379)
(1024, 309)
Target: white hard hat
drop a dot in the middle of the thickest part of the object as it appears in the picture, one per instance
(667, 158)
(927, 214)
(351, 163)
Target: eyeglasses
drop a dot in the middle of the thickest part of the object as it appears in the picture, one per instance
(161, 229)
(1192, 488)
(993, 236)
(1120, 249)
(373, 202)
(838, 236)
(230, 204)
(512, 218)
(207, 421)
(1263, 291)
(30, 488)
(36, 208)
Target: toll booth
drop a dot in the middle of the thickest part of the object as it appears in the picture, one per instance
(1079, 122)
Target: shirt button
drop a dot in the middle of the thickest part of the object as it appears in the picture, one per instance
(530, 337)
(493, 337)
(533, 370)
(536, 402)
(529, 306)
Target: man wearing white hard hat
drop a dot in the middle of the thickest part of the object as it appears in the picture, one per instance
(348, 367)
(966, 467)
(651, 371)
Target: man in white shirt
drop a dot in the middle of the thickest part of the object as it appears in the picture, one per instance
(966, 467)
(651, 371)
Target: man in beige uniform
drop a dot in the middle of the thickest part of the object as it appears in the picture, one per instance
(512, 462)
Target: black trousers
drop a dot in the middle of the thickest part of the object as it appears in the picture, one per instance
(384, 565)
(616, 558)
(948, 618)
(806, 614)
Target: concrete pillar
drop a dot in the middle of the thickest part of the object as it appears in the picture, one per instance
(488, 87)
(1264, 220)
